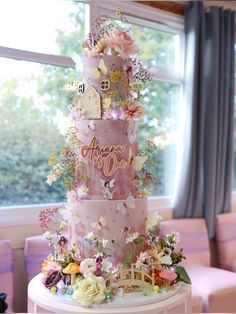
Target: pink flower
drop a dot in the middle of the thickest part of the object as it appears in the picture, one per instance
(168, 274)
(132, 110)
(121, 42)
(107, 114)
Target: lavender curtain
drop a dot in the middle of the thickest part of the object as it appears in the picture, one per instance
(204, 182)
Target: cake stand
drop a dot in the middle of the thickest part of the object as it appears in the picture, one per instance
(178, 300)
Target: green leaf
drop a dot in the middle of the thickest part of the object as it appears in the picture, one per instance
(182, 274)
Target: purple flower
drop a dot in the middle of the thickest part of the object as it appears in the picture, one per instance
(52, 278)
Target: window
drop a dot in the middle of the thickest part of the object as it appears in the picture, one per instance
(32, 96)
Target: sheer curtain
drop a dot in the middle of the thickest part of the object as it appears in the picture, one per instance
(204, 181)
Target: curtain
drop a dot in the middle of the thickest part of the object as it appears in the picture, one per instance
(205, 164)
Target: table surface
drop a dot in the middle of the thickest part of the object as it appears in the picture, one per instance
(41, 300)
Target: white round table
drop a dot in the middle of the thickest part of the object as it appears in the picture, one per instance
(41, 300)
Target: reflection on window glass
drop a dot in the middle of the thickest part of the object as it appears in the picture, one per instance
(32, 103)
(161, 102)
(42, 25)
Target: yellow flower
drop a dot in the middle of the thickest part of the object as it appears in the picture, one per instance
(106, 103)
(144, 193)
(115, 75)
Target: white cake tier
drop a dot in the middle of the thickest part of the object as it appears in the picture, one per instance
(107, 219)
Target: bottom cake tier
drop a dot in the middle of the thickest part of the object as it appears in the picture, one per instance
(107, 219)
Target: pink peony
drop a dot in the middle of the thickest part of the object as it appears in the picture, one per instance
(132, 110)
(121, 42)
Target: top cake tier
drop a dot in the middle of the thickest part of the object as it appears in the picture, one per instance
(109, 76)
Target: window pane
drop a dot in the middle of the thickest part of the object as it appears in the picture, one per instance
(42, 25)
(161, 102)
(32, 102)
(157, 48)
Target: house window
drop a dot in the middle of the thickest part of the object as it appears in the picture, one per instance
(105, 85)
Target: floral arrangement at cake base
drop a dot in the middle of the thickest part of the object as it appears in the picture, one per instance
(96, 279)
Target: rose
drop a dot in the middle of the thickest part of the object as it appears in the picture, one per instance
(121, 42)
(52, 278)
(88, 265)
(90, 290)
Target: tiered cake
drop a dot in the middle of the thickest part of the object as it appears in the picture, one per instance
(108, 178)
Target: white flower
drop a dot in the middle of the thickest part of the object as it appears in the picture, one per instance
(47, 235)
(87, 266)
(131, 237)
(82, 191)
(90, 290)
(90, 236)
(176, 237)
(106, 266)
(51, 177)
(105, 243)
(161, 258)
(63, 224)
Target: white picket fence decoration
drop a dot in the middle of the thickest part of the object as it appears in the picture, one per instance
(127, 277)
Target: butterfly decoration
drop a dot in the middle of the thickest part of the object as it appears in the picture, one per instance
(122, 207)
(75, 86)
(91, 125)
(108, 188)
(100, 224)
(136, 161)
(132, 131)
(95, 73)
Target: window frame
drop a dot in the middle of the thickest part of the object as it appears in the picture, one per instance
(136, 13)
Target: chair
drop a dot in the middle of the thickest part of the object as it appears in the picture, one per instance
(36, 250)
(217, 287)
(6, 272)
(226, 240)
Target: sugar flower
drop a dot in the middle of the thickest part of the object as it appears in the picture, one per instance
(106, 266)
(90, 236)
(90, 290)
(132, 110)
(120, 41)
(51, 278)
(99, 48)
(131, 237)
(51, 177)
(88, 265)
(82, 191)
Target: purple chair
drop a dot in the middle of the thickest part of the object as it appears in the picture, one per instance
(6, 272)
(217, 287)
(226, 240)
(36, 250)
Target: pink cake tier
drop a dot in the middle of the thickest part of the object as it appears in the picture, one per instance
(112, 68)
(105, 149)
(107, 219)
